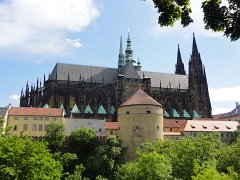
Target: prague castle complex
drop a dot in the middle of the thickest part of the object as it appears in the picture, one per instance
(91, 91)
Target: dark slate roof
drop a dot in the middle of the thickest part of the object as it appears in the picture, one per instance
(3, 111)
(97, 74)
(129, 71)
(140, 98)
(166, 79)
(86, 72)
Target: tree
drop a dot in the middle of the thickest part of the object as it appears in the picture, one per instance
(83, 142)
(107, 160)
(147, 166)
(55, 136)
(23, 158)
(217, 17)
(229, 156)
(4, 130)
(201, 150)
(236, 133)
(211, 173)
(78, 174)
(187, 153)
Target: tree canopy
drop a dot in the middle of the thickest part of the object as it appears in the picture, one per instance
(22, 158)
(189, 158)
(218, 16)
(55, 136)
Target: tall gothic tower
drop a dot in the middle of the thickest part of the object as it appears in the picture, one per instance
(120, 56)
(179, 66)
(198, 86)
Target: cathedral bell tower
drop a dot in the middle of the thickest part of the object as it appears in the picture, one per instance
(198, 86)
(179, 66)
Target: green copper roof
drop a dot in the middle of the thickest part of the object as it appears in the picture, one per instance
(101, 110)
(195, 114)
(185, 114)
(75, 109)
(175, 114)
(113, 110)
(165, 113)
(88, 110)
(62, 107)
(46, 106)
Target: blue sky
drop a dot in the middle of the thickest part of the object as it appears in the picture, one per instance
(35, 35)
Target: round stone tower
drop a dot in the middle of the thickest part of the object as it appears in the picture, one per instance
(140, 119)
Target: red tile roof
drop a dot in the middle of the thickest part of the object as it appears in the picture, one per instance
(111, 125)
(28, 111)
(140, 97)
(173, 123)
(203, 126)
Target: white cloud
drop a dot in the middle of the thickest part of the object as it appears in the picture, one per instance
(14, 97)
(223, 99)
(42, 26)
(197, 26)
(225, 94)
(74, 42)
(218, 110)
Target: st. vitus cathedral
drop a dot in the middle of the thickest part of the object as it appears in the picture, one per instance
(91, 91)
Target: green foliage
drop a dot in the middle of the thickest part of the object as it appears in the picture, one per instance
(83, 142)
(211, 173)
(224, 18)
(218, 17)
(173, 10)
(1, 121)
(236, 133)
(77, 174)
(67, 160)
(108, 158)
(4, 131)
(100, 178)
(229, 156)
(165, 147)
(55, 136)
(201, 150)
(187, 154)
(22, 158)
(148, 166)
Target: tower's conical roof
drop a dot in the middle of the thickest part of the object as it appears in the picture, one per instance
(140, 97)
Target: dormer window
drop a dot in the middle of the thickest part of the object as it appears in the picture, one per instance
(192, 126)
(216, 127)
(127, 112)
(204, 127)
(148, 112)
(228, 127)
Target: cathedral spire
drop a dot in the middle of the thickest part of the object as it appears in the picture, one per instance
(179, 57)
(194, 46)
(120, 56)
(129, 51)
(179, 66)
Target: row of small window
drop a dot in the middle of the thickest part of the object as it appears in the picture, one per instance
(226, 135)
(148, 112)
(34, 118)
(35, 127)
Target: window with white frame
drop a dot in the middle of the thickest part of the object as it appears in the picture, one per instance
(25, 127)
(40, 127)
(34, 128)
